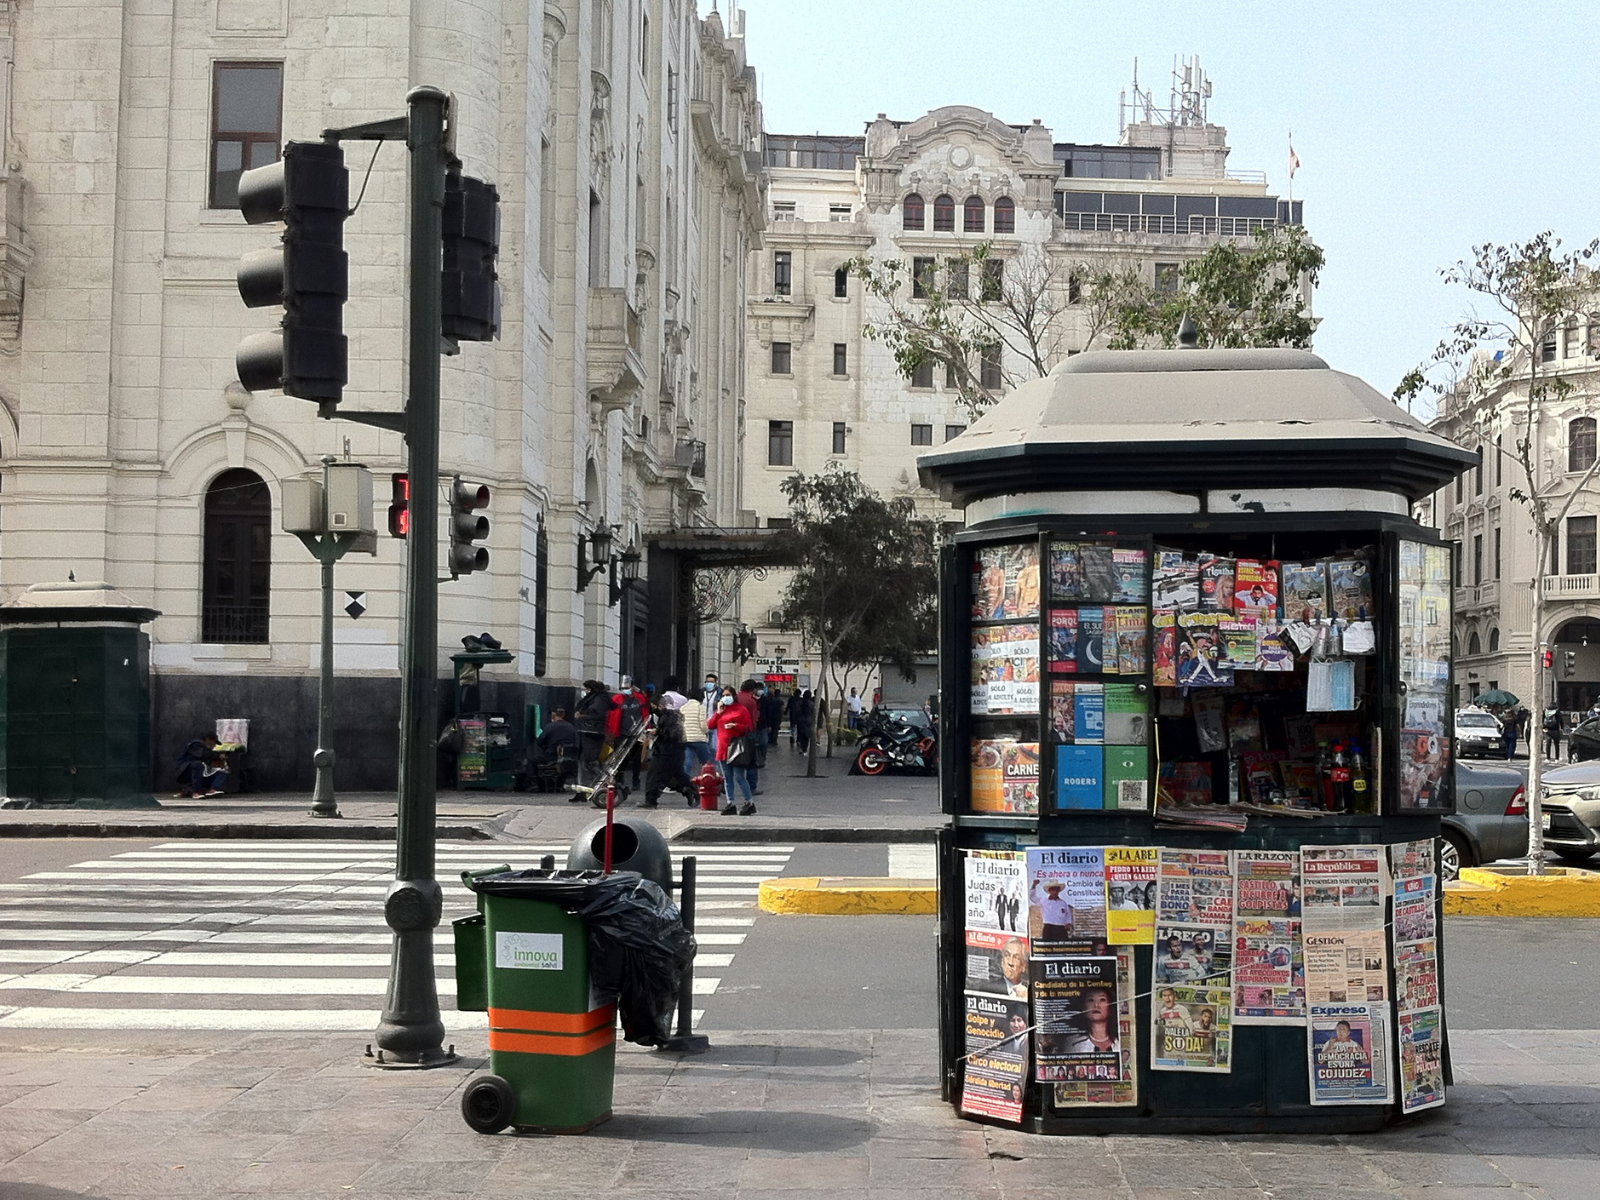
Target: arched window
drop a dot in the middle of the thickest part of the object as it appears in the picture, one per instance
(1494, 640)
(237, 572)
(911, 212)
(1474, 645)
(1005, 215)
(1580, 444)
(841, 281)
(972, 215)
(944, 215)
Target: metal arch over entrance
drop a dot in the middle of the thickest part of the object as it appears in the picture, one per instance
(695, 577)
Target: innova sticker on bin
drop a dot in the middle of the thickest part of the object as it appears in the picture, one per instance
(528, 951)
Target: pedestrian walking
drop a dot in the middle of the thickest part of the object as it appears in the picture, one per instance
(1508, 734)
(666, 771)
(630, 707)
(591, 715)
(1554, 729)
(803, 721)
(771, 705)
(748, 697)
(792, 708)
(734, 726)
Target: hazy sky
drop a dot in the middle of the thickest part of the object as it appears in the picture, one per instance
(1422, 127)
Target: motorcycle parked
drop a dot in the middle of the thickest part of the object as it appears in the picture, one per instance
(887, 741)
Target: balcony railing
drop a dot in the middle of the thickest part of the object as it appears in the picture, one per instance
(1572, 587)
(1482, 595)
(233, 624)
(1150, 223)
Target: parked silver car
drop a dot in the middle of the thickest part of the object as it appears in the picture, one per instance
(1571, 809)
(1490, 821)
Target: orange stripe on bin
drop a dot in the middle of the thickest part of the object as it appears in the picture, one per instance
(552, 1022)
(544, 1043)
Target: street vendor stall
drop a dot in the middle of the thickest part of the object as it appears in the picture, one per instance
(1195, 670)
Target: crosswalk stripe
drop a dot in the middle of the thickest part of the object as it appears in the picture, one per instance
(173, 935)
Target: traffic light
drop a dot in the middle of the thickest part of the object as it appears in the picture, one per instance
(309, 191)
(467, 527)
(400, 505)
(1569, 662)
(1549, 659)
(471, 242)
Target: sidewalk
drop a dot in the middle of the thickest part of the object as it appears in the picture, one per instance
(798, 1115)
(836, 807)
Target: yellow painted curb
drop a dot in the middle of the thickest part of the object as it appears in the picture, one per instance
(840, 896)
(1561, 892)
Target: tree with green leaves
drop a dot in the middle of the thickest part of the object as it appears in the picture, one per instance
(1238, 293)
(866, 589)
(1495, 370)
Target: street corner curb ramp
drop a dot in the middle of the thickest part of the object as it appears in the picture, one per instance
(1502, 892)
(844, 896)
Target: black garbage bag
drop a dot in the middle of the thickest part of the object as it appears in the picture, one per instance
(638, 947)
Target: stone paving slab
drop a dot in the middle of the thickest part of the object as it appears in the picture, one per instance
(796, 1115)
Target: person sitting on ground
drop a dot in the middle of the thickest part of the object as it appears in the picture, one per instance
(201, 770)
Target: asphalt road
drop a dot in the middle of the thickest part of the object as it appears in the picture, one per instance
(819, 973)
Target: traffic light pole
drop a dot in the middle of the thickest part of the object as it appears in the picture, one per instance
(328, 548)
(410, 1032)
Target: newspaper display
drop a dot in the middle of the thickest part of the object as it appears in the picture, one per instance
(1348, 1054)
(1269, 976)
(1066, 899)
(1347, 966)
(1191, 1029)
(1343, 887)
(1415, 905)
(996, 923)
(1005, 670)
(1266, 883)
(1125, 1091)
(1077, 1036)
(1195, 886)
(1416, 974)
(1131, 895)
(1412, 859)
(996, 1065)
(1421, 1039)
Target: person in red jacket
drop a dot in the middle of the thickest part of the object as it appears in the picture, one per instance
(730, 721)
(629, 713)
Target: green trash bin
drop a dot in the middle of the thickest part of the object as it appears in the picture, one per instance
(552, 1054)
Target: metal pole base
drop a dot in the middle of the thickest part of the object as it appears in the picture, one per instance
(389, 1060)
(687, 1043)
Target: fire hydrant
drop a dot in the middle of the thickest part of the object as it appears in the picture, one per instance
(709, 785)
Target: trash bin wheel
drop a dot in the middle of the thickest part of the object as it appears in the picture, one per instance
(488, 1104)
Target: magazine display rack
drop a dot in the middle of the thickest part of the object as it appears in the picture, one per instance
(1195, 698)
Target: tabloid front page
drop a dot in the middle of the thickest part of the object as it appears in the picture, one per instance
(1348, 1053)
(1191, 1029)
(1347, 966)
(1343, 887)
(997, 1057)
(1125, 1091)
(1075, 1005)
(1421, 1059)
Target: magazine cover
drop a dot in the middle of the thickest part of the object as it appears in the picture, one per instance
(997, 963)
(1133, 639)
(1201, 661)
(1256, 589)
(1005, 670)
(1066, 571)
(1089, 713)
(996, 890)
(1350, 589)
(1348, 1054)
(1091, 635)
(1191, 1029)
(1127, 715)
(1066, 898)
(1164, 631)
(1304, 591)
(1421, 1059)
(1191, 953)
(1175, 581)
(1005, 582)
(1132, 585)
(1063, 640)
(1019, 776)
(1080, 771)
(1099, 572)
(1078, 1036)
(1268, 974)
(988, 790)
(1063, 716)
(1126, 1090)
(1184, 784)
(1239, 645)
(996, 1066)
(1216, 583)
(1131, 895)
(1274, 649)
(1128, 778)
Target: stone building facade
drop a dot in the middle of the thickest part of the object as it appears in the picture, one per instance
(624, 139)
(822, 394)
(1494, 534)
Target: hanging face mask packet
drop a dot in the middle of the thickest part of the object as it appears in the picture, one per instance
(1360, 638)
(1331, 686)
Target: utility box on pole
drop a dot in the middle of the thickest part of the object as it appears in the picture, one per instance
(350, 499)
(302, 504)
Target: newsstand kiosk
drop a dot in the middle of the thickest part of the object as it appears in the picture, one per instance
(1195, 686)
